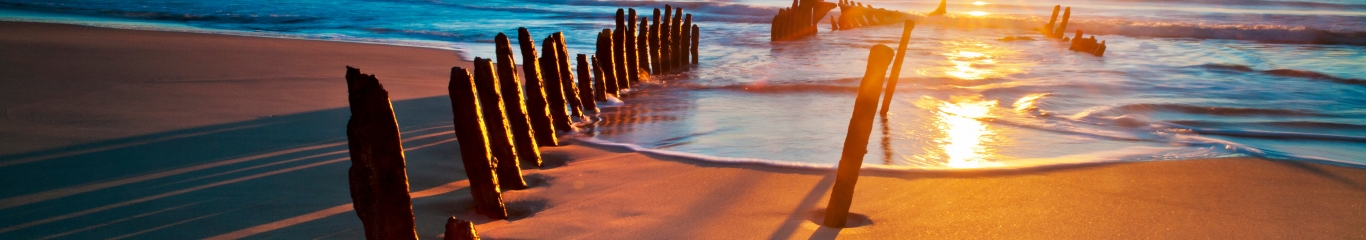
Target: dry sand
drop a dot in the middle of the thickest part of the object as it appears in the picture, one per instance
(136, 134)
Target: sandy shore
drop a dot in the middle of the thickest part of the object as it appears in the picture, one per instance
(135, 134)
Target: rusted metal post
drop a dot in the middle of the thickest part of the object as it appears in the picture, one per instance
(537, 111)
(378, 176)
(474, 145)
(500, 136)
(896, 67)
(856, 140)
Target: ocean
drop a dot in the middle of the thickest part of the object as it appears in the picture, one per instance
(1180, 79)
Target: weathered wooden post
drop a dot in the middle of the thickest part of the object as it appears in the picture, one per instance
(538, 111)
(378, 175)
(856, 140)
(675, 34)
(554, 86)
(1062, 27)
(666, 40)
(655, 61)
(896, 66)
(599, 84)
(1048, 29)
(695, 38)
(686, 33)
(643, 47)
(619, 61)
(457, 229)
(571, 91)
(523, 135)
(474, 145)
(834, 25)
(586, 86)
(632, 60)
(604, 61)
(500, 136)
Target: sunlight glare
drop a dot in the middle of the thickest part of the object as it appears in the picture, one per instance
(977, 13)
(964, 135)
(979, 3)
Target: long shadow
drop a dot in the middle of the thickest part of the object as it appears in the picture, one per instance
(204, 181)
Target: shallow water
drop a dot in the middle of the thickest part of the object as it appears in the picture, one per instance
(1180, 79)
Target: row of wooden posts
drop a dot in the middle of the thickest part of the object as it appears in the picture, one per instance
(1078, 44)
(855, 15)
(502, 121)
(800, 20)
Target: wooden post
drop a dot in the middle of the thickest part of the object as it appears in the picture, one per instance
(834, 26)
(619, 61)
(500, 137)
(586, 85)
(1062, 27)
(554, 86)
(537, 111)
(604, 62)
(687, 45)
(513, 105)
(599, 85)
(695, 32)
(676, 36)
(571, 91)
(474, 145)
(457, 229)
(896, 66)
(666, 40)
(643, 47)
(632, 60)
(856, 140)
(655, 61)
(378, 177)
(1048, 29)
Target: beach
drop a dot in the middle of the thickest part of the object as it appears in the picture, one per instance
(141, 134)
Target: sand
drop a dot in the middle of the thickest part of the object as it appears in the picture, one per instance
(136, 134)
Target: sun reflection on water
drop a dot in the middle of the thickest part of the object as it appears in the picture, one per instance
(977, 13)
(960, 138)
(973, 60)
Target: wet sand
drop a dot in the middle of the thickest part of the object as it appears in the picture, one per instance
(121, 133)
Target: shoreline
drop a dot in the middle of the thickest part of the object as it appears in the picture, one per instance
(183, 135)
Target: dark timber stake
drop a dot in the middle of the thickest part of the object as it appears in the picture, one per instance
(1062, 27)
(554, 93)
(604, 61)
(666, 39)
(856, 140)
(655, 61)
(643, 47)
(537, 112)
(619, 61)
(457, 229)
(694, 44)
(586, 86)
(686, 33)
(896, 66)
(500, 136)
(474, 147)
(522, 134)
(378, 176)
(599, 89)
(632, 58)
(676, 37)
(571, 92)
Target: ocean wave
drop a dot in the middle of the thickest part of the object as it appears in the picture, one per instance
(1252, 32)
(1120, 110)
(1287, 73)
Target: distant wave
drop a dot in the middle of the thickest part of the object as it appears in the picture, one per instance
(1288, 73)
(1260, 33)
(1119, 110)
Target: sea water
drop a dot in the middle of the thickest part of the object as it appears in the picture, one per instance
(1179, 80)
